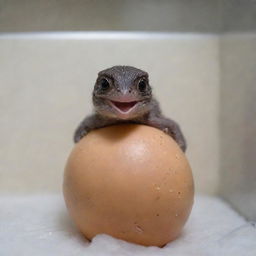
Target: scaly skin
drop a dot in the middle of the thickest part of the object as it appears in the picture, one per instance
(122, 94)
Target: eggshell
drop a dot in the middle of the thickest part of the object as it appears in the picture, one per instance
(132, 182)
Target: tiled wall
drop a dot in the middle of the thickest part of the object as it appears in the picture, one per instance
(128, 15)
(238, 15)
(46, 89)
(238, 122)
(238, 105)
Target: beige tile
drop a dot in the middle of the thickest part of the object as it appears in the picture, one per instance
(238, 122)
(125, 15)
(46, 89)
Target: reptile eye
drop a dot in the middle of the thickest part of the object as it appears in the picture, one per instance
(142, 85)
(104, 84)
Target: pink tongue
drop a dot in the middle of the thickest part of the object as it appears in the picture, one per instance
(124, 106)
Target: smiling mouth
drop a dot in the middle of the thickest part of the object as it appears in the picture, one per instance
(123, 107)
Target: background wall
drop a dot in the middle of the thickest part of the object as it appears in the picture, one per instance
(149, 15)
(46, 89)
(238, 122)
(237, 16)
(238, 106)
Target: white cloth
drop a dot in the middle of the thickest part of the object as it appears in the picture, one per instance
(39, 225)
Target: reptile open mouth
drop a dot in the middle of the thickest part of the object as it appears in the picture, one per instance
(124, 106)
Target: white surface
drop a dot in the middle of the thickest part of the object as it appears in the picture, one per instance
(39, 225)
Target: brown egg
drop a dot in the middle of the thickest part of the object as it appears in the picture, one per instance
(129, 181)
